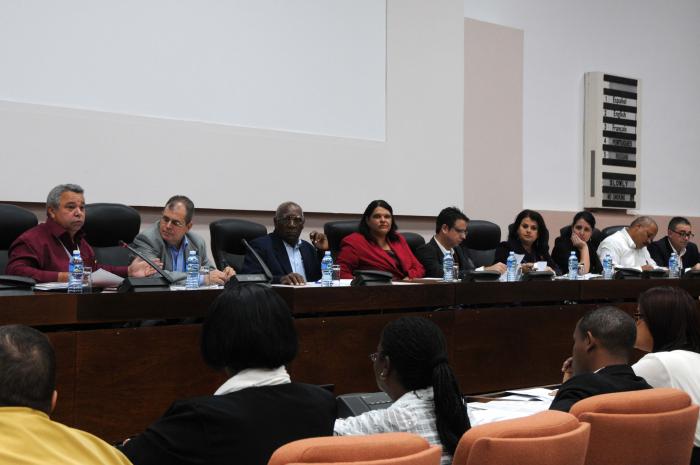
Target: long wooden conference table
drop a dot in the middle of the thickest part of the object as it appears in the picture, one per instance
(114, 380)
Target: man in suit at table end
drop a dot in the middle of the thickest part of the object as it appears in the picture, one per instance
(450, 230)
(600, 359)
(677, 240)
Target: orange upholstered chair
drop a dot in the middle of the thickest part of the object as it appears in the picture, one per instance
(376, 449)
(546, 438)
(652, 426)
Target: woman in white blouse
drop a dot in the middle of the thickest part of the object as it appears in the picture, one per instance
(411, 366)
(668, 326)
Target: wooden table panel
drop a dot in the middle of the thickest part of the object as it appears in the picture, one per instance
(127, 378)
(501, 348)
(64, 344)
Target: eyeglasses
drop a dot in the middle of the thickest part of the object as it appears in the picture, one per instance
(291, 219)
(460, 231)
(683, 234)
(168, 220)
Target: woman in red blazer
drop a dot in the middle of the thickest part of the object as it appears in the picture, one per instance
(377, 246)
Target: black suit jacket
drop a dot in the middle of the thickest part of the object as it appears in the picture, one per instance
(243, 427)
(661, 251)
(613, 378)
(563, 248)
(504, 248)
(271, 249)
(430, 255)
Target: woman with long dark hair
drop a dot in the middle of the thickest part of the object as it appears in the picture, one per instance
(411, 366)
(377, 246)
(668, 326)
(527, 236)
(577, 238)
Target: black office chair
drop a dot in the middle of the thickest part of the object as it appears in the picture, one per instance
(335, 231)
(610, 230)
(414, 240)
(105, 225)
(482, 239)
(14, 221)
(226, 246)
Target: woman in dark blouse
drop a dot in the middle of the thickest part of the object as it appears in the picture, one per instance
(577, 238)
(527, 236)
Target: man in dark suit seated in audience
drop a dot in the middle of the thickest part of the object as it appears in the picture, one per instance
(603, 342)
(450, 230)
(27, 398)
(680, 232)
(291, 260)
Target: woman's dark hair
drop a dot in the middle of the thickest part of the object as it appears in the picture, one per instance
(541, 245)
(417, 351)
(585, 216)
(364, 229)
(248, 326)
(673, 318)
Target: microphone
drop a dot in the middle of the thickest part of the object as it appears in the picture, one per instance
(265, 277)
(158, 269)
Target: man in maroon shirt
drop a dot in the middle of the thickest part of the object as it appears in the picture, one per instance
(43, 252)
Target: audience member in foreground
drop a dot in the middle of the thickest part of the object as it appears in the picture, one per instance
(250, 334)
(668, 326)
(628, 246)
(577, 238)
(450, 230)
(43, 252)
(170, 240)
(377, 246)
(291, 260)
(599, 364)
(527, 236)
(27, 396)
(411, 366)
(677, 240)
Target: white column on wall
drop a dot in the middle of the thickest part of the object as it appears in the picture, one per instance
(493, 121)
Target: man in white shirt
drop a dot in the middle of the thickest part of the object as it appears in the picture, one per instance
(628, 246)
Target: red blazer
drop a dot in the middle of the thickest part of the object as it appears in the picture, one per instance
(357, 253)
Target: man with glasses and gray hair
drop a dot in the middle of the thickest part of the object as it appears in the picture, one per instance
(680, 232)
(291, 260)
(44, 251)
(170, 240)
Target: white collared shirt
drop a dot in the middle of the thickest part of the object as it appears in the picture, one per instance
(254, 377)
(443, 249)
(295, 260)
(413, 412)
(624, 252)
(680, 254)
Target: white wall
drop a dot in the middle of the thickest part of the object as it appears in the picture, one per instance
(652, 40)
(141, 160)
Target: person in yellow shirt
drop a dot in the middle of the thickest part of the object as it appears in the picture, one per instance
(27, 396)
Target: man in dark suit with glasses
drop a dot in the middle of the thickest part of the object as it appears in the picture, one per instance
(680, 233)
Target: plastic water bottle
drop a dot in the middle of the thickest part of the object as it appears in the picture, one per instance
(512, 267)
(673, 266)
(327, 269)
(75, 273)
(448, 265)
(573, 265)
(192, 271)
(607, 267)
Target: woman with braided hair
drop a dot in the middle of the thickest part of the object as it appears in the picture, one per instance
(411, 366)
